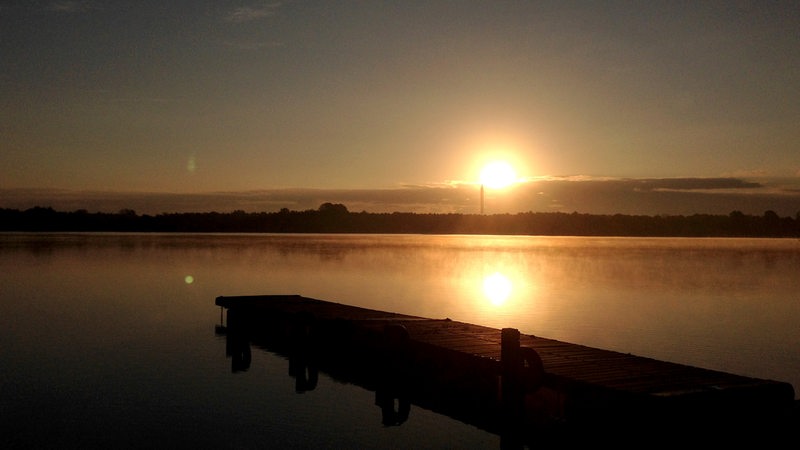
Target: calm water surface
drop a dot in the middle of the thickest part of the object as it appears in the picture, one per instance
(109, 339)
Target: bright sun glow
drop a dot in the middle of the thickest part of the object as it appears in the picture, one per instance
(498, 174)
(497, 288)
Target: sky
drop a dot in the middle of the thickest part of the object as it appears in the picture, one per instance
(657, 107)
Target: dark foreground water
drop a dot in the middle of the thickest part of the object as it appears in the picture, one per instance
(108, 340)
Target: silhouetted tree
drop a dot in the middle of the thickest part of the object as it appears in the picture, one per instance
(333, 208)
(335, 218)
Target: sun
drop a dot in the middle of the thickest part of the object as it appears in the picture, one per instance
(498, 174)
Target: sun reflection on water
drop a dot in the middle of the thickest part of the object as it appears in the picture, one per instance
(497, 288)
(502, 294)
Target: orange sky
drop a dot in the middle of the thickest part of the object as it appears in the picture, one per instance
(208, 97)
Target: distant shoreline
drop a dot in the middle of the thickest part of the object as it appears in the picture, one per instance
(335, 218)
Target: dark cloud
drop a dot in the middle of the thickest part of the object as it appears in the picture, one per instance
(675, 196)
(684, 184)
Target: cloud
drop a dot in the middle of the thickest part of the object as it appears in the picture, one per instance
(244, 14)
(144, 100)
(678, 196)
(69, 6)
(252, 45)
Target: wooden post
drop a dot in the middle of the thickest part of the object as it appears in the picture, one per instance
(393, 379)
(302, 360)
(512, 391)
(511, 369)
(237, 341)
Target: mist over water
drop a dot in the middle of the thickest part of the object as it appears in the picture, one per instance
(109, 338)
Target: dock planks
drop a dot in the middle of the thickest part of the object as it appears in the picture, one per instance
(580, 385)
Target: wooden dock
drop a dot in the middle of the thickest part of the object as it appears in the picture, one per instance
(514, 384)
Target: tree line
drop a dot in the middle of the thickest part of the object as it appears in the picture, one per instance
(335, 218)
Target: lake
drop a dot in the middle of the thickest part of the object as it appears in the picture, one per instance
(108, 340)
